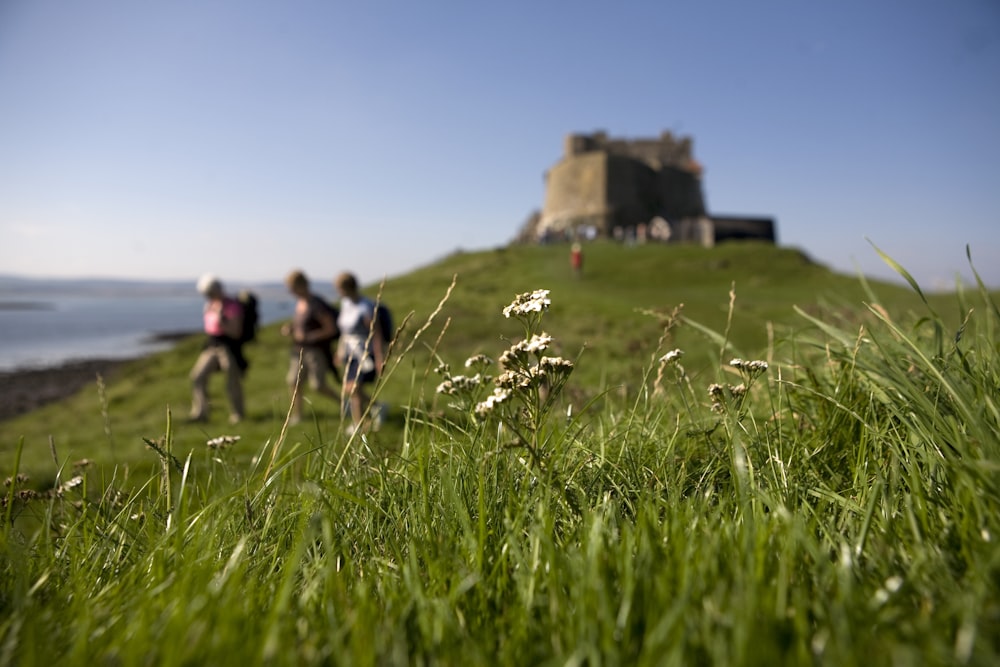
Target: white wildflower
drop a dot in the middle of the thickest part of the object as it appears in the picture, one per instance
(498, 396)
(458, 383)
(751, 368)
(556, 365)
(529, 302)
(671, 356)
(512, 379)
(538, 343)
(478, 360)
(516, 355)
(71, 483)
(223, 441)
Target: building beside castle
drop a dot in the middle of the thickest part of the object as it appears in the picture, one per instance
(646, 188)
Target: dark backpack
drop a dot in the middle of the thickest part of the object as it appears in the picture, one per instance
(327, 345)
(251, 316)
(383, 320)
(334, 313)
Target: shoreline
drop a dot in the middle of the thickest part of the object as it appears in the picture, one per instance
(24, 389)
(27, 389)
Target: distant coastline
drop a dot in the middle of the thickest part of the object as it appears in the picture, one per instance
(25, 389)
(49, 323)
(26, 305)
(169, 336)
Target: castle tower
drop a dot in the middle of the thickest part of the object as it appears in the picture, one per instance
(607, 183)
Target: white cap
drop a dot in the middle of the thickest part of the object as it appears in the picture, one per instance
(208, 283)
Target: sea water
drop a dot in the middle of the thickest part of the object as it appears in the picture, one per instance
(63, 322)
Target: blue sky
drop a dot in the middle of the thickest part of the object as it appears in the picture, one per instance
(162, 140)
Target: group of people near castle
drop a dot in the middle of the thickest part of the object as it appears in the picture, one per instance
(326, 341)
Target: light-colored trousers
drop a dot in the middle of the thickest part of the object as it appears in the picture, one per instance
(211, 359)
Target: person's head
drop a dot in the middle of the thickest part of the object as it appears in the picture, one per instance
(347, 285)
(209, 286)
(297, 283)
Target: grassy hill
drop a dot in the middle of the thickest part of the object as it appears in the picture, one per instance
(831, 498)
(597, 318)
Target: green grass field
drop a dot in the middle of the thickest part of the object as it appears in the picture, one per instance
(829, 498)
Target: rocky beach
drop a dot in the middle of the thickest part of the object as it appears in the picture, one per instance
(22, 391)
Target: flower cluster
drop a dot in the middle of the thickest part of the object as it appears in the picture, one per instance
(749, 368)
(520, 399)
(669, 363)
(454, 385)
(20, 479)
(555, 366)
(519, 352)
(23, 495)
(477, 361)
(529, 377)
(222, 441)
(465, 390)
(527, 303)
(725, 396)
(71, 483)
(498, 396)
(672, 357)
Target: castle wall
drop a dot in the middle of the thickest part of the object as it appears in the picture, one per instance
(577, 193)
(663, 151)
(681, 194)
(632, 193)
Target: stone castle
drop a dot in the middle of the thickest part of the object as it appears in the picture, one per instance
(649, 189)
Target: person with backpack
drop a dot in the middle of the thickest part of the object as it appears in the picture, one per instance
(313, 331)
(362, 349)
(223, 350)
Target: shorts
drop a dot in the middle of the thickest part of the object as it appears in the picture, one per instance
(360, 371)
(315, 364)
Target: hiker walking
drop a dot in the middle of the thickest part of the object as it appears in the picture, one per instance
(576, 259)
(313, 331)
(361, 349)
(223, 323)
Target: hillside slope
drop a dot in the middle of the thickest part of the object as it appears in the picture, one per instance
(597, 320)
